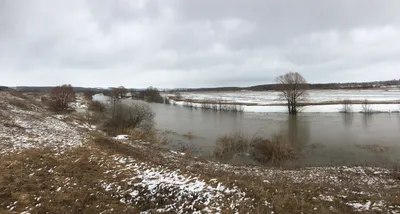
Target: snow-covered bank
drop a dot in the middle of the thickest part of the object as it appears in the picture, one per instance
(272, 97)
(317, 101)
(335, 108)
(356, 108)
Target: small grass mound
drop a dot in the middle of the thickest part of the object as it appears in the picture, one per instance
(229, 145)
(275, 150)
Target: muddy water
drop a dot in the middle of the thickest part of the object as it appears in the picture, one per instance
(322, 139)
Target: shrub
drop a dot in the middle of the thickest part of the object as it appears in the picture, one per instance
(178, 95)
(366, 107)
(60, 97)
(275, 150)
(263, 150)
(122, 117)
(229, 145)
(89, 95)
(347, 106)
(97, 106)
(396, 171)
(189, 135)
(151, 95)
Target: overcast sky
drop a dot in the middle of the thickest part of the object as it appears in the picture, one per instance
(196, 43)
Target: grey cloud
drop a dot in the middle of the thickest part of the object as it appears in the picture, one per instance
(182, 43)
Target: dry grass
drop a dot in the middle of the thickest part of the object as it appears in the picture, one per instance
(21, 104)
(229, 145)
(43, 182)
(374, 148)
(189, 135)
(396, 171)
(34, 176)
(275, 150)
(97, 106)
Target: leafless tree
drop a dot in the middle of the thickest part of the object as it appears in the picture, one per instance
(293, 88)
(116, 95)
(347, 106)
(88, 94)
(366, 107)
(60, 97)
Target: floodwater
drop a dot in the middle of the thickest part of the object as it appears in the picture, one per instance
(322, 139)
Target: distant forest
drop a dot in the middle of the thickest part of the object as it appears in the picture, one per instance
(321, 86)
(266, 87)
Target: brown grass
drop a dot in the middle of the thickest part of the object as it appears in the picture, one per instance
(33, 177)
(97, 106)
(229, 145)
(275, 150)
(21, 104)
(189, 135)
(396, 171)
(374, 148)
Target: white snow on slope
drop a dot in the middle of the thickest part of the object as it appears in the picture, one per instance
(28, 129)
(182, 192)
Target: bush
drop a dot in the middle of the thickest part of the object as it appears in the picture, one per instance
(122, 117)
(366, 107)
(97, 106)
(89, 95)
(178, 95)
(263, 150)
(396, 171)
(151, 95)
(60, 97)
(347, 106)
(275, 150)
(229, 145)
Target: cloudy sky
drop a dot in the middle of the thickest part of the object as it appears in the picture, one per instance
(196, 43)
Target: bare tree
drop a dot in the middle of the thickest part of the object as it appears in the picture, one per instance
(294, 89)
(151, 95)
(347, 106)
(116, 95)
(366, 107)
(60, 97)
(88, 94)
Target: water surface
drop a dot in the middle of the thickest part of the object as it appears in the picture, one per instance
(322, 139)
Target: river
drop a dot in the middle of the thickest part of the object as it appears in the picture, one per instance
(322, 139)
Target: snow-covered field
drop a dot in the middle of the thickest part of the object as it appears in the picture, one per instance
(255, 101)
(389, 108)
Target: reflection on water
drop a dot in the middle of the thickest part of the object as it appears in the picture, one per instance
(298, 131)
(367, 119)
(322, 138)
(348, 120)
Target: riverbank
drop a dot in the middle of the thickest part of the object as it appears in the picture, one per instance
(318, 101)
(62, 163)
